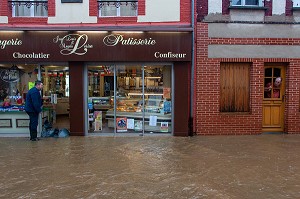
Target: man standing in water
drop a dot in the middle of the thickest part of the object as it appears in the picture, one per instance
(33, 107)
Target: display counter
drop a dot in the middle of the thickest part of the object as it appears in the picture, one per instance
(62, 106)
(17, 122)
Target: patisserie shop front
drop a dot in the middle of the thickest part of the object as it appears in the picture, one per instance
(98, 82)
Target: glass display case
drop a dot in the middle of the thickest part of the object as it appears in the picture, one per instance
(156, 114)
(100, 103)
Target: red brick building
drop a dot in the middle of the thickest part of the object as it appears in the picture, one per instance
(247, 72)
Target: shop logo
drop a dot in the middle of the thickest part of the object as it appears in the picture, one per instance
(115, 39)
(10, 42)
(73, 44)
(10, 75)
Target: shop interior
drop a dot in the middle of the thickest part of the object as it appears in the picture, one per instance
(121, 98)
(17, 79)
(141, 103)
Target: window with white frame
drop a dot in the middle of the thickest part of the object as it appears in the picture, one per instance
(296, 3)
(29, 8)
(117, 8)
(247, 3)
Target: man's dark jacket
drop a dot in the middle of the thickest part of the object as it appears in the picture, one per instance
(33, 101)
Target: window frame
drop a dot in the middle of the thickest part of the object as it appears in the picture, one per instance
(117, 4)
(296, 2)
(33, 5)
(243, 4)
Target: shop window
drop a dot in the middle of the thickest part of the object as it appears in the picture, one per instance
(117, 8)
(15, 81)
(234, 87)
(246, 3)
(129, 99)
(29, 8)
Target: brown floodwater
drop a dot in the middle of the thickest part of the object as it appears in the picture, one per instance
(226, 167)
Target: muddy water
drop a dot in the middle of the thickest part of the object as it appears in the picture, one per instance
(225, 167)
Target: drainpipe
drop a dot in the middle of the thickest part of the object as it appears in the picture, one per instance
(40, 121)
(191, 118)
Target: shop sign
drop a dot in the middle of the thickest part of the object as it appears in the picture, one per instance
(73, 44)
(35, 46)
(10, 42)
(10, 75)
(115, 39)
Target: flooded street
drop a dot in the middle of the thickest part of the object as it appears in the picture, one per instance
(225, 167)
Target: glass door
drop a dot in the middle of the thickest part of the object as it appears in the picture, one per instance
(56, 94)
(100, 100)
(129, 99)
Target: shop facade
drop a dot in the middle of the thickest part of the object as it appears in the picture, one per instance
(98, 82)
(247, 68)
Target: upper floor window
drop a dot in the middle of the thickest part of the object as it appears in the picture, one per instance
(296, 3)
(117, 8)
(29, 8)
(246, 3)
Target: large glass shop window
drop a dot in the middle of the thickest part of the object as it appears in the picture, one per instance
(129, 99)
(15, 81)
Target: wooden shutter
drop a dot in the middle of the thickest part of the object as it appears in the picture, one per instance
(234, 87)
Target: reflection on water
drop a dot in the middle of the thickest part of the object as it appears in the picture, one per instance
(265, 166)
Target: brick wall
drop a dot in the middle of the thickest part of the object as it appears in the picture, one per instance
(208, 119)
(268, 5)
(142, 7)
(51, 8)
(185, 11)
(117, 20)
(93, 9)
(289, 8)
(3, 8)
(225, 7)
(202, 9)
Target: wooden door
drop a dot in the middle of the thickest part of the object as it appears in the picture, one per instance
(273, 101)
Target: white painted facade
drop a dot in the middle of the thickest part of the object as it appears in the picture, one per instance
(296, 3)
(72, 13)
(214, 6)
(161, 11)
(278, 7)
(3, 19)
(247, 15)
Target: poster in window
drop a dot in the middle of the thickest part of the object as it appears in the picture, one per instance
(98, 120)
(164, 127)
(167, 93)
(130, 123)
(121, 124)
(138, 125)
(153, 120)
(167, 107)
